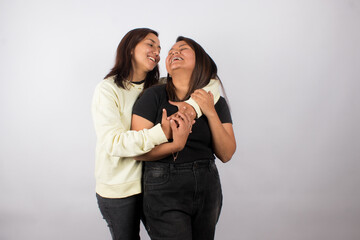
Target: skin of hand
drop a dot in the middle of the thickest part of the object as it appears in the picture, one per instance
(165, 124)
(181, 127)
(185, 108)
(205, 100)
(183, 116)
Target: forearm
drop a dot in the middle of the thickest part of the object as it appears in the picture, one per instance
(214, 88)
(112, 130)
(159, 152)
(132, 143)
(223, 138)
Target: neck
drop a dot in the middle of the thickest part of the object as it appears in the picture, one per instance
(137, 76)
(181, 83)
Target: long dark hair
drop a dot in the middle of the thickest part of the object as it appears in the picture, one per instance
(123, 66)
(204, 70)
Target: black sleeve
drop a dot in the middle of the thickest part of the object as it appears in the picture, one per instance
(223, 111)
(146, 105)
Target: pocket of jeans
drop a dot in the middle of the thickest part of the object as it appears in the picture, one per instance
(214, 170)
(156, 176)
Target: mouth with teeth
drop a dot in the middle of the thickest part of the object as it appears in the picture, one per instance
(176, 59)
(152, 59)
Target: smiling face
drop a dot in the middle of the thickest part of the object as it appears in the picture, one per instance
(181, 57)
(145, 55)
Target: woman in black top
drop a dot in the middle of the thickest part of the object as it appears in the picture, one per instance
(182, 191)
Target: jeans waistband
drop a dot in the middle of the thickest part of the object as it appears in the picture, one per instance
(179, 166)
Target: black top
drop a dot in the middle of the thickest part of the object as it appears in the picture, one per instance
(199, 143)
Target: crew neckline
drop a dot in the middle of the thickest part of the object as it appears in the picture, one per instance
(138, 83)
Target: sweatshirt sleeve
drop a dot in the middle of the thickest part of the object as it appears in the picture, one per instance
(112, 134)
(214, 87)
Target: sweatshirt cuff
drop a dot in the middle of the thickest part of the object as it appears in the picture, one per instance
(195, 106)
(157, 134)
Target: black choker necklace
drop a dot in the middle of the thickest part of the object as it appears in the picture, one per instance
(138, 82)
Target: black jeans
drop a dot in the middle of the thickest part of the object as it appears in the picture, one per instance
(181, 201)
(122, 216)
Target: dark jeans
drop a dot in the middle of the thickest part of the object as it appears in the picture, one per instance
(181, 201)
(122, 216)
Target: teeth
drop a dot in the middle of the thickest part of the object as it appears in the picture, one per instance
(176, 58)
(152, 59)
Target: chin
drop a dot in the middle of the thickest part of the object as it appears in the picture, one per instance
(151, 67)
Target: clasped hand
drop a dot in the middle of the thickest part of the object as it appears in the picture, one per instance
(180, 123)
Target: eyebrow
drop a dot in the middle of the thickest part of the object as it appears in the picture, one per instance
(152, 41)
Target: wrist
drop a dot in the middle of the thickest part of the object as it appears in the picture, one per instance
(177, 146)
(210, 114)
(166, 131)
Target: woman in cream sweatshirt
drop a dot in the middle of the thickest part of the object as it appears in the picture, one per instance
(118, 175)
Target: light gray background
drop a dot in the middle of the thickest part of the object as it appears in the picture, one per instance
(291, 72)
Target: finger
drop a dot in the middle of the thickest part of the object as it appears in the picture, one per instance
(197, 92)
(180, 105)
(164, 115)
(174, 103)
(173, 125)
(186, 123)
(190, 115)
(201, 92)
(176, 118)
(186, 118)
(200, 95)
(183, 109)
(178, 121)
(195, 96)
(211, 95)
(189, 118)
(171, 116)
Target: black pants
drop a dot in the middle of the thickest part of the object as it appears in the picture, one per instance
(181, 201)
(122, 216)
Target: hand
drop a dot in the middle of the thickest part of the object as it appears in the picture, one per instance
(205, 100)
(165, 124)
(185, 108)
(181, 127)
(182, 116)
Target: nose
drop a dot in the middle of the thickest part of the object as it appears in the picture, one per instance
(156, 50)
(174, 52)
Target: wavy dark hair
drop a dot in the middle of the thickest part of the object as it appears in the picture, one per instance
(204, 70)
(123, 66)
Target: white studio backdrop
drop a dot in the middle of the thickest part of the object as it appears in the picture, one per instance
(291, 74)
